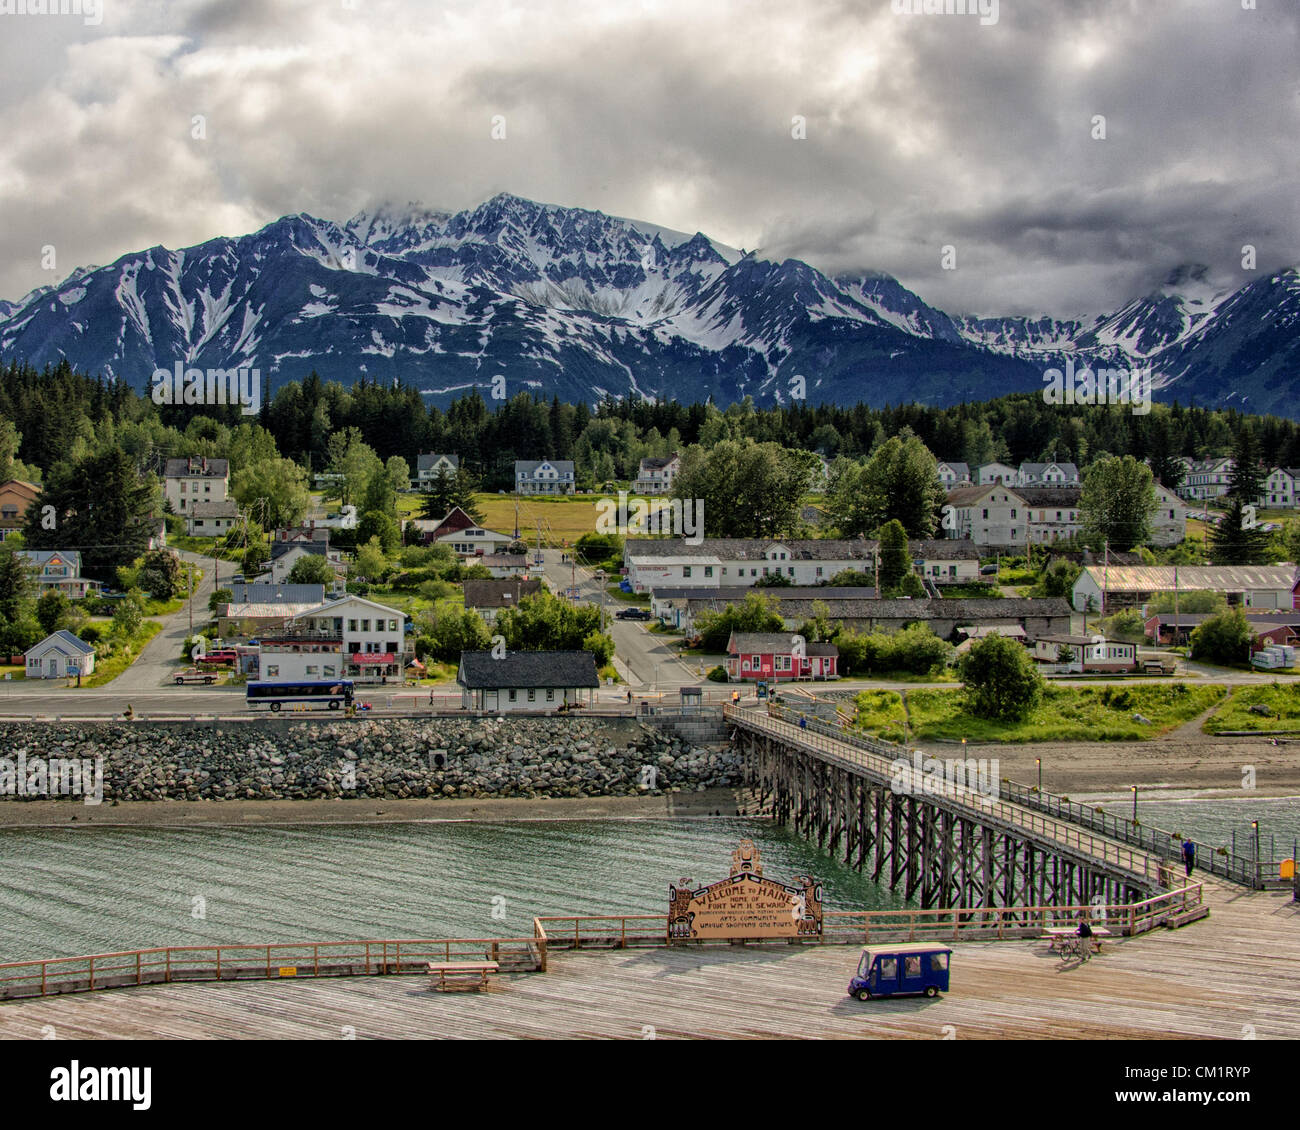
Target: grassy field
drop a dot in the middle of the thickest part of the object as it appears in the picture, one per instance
(1064, 714)
(1282, 699)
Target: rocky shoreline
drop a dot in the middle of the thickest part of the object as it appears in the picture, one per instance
(394, 758)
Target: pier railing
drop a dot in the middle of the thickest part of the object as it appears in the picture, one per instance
(891, 765)
(169, 964)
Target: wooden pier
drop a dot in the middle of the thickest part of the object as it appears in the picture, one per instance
(938, 842)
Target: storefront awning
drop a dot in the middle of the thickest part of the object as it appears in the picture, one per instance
(372, 658)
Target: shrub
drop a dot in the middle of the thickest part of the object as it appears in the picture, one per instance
(717, 675)
(1001, 680)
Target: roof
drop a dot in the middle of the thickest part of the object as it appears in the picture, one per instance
(196, 466)
(351, 598)
(1275, 618)
(526, 669)
(499, 593)
(267, 610)
(21, 486)
(779, 592)
(1040, 468)
(39, 558)
(749, 643)
(227, 509)
(822, 649)
(1051, 496)
(754, 549)
(429, 461)
(280, 548)
(262, 592)
(961, 470)
(965, 495)
(1215, 578)
(655, 463)
(65, 641)
(1083, 641)
(944, 549)
(502, 560)
(1008, 608)
(529, 466)
(887, 948)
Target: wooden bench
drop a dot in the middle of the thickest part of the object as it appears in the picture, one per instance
(1064, 938)
(463, 974)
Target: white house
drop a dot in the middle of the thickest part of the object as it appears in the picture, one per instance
(992, 515)
(429, 467)
(717, 562)
(58, 656)
(1052, 513)
(363, 638)
(474, 541)
(1085, 653)
(655, 476)
(1169, 522)
(1048, 475)
(953, 475)
(195, 479)
(58, 569)
(502, 565)
(1281, 489)
(285, 554)
(545, 476)
(945, 561)
(526, 680)
(1207, 478)
(211, 519)
(988, 473)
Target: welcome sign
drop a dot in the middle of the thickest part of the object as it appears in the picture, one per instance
(745, 905)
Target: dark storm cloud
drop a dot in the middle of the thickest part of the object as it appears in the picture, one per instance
(921, 131)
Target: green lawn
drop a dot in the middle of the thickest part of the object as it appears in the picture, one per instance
(1283, 699)
(642, 600)
(1064, 714)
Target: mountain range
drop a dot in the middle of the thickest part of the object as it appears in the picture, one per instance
(573, 303)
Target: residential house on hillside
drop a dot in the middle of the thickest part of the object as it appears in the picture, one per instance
(487, 598)
(370, 638)
(945, 561)
(656, 475)
(993, 516)
(195, 479)
(1169, 522)
(311, 532)
(502, 565)
(773, 656)
(953, 475)
(59, 655)
(672, 605)
(1051, 513)
(1207, 478)
(58, 569)
(16, 497)
(211, 519)
(1176, 629)
(429, 467)
(1126, 586)
(717, 562)
(1281, 489)
(473, 541)
(1087, 654)
(544, 476)
(527, 680)
(285, 554)
(257, 607)
(1048, 475)
(989, 473)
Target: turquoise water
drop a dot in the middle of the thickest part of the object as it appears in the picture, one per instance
(65, 892)
(1213, 821)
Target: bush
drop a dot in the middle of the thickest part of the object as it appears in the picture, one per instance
(90, 633)
(1223, 638)
(1001, 680)
(436, 590)
(717, 675)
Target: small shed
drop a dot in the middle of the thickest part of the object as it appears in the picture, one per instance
(59, 655)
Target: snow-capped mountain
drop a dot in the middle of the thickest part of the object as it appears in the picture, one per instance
(577, 304)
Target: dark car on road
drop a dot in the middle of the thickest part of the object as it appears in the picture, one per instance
(633, 614)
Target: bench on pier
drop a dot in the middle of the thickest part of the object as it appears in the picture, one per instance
(1064, 937)
(462, 974)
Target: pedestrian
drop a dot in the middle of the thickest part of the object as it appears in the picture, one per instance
(1189, 855)
(803, 722)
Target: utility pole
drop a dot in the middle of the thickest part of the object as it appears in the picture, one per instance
(1105, 575)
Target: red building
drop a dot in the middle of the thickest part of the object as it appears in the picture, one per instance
(773, 656)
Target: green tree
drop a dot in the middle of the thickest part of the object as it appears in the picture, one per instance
(819, 629)
(161, 575)
(220, 596)
(16, 584)
(455, 630)
(371, 562)
(1238, 539)
(312, 569)
(1224, 638)
(128, 615)
(103, 504)
(375, 524)
(379, 495)
(545, 623)
(1198, 600)
(747, 489)
(399, 473)
(447, 490)
(898, 483)
(1058, 579)
(1117, 502)
(756, 613)
(278, 485)
(1290, 537)
(1000, 679)
(52, 610)
(1248, 475)
(255, 558)
(895, 561)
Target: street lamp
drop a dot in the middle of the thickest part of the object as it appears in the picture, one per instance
(1039, 762)
(1135, 803)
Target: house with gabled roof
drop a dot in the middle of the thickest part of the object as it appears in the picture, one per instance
(58, 569)
(710, 563)
(544, 476)
(772, 656)
(429, 466)
(656, 474)
(1048, 475)
(16, 498)
(59, 655)
(195, 479)
(953, 475)
(537, 681)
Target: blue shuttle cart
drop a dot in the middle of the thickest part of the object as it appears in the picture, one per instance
(887, 970)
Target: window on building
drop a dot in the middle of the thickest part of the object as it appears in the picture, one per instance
(532, 696)
(550, 696)
(708, 570)
(272, 671)
(514, 696)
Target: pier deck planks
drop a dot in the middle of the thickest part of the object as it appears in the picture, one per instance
(1208, 980)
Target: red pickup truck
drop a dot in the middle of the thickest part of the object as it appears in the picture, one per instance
(216, 658)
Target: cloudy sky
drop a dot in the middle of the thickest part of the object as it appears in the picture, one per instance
(921, 130)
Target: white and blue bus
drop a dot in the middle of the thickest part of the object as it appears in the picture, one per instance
(330, 693)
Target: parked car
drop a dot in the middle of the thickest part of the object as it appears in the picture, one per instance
(194, 675)
(216, 658)
(633, 614)
(989, 571)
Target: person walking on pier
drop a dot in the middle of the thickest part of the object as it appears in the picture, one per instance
(1189, 855)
